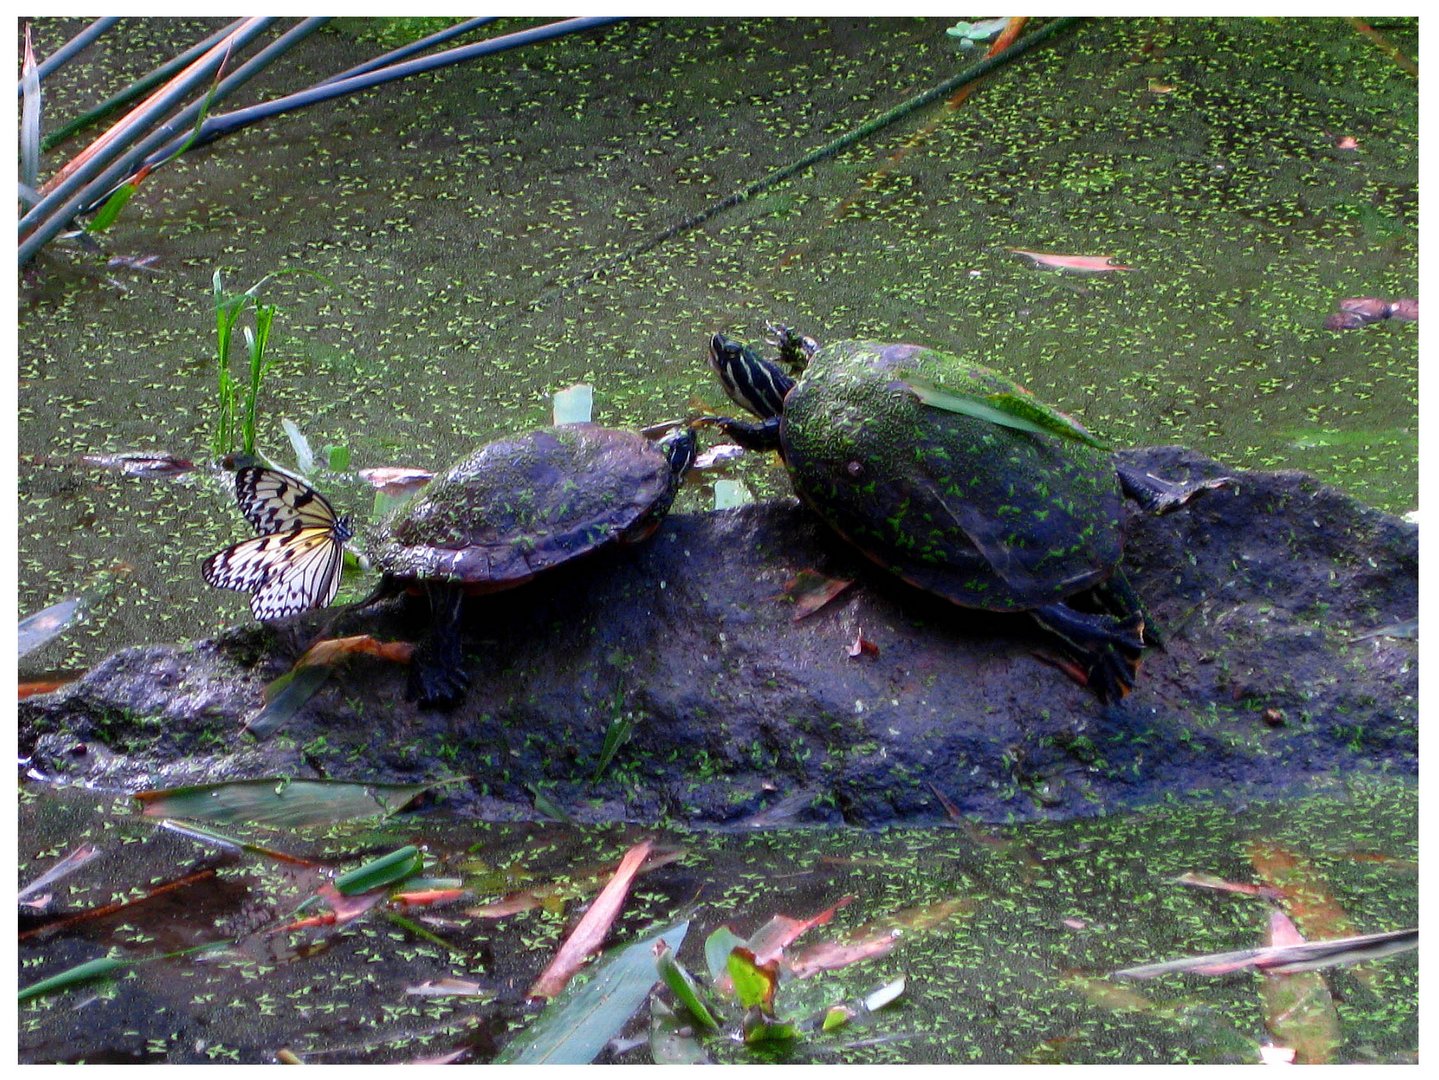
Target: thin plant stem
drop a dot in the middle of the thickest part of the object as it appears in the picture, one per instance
(79, 42)
(135, 89)
(414, 47)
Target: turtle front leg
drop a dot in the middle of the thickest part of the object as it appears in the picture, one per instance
(1106, 648)
(1159, 496)
(437, 672)
(762, 435)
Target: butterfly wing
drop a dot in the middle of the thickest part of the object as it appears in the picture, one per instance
(286, 572)
(274, 502)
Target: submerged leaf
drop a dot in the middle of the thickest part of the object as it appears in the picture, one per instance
(1299, 1010)
(876, 938)
(281, 803)
(1088, 264)
(99, 968)
(672, 1039)
(577, 1024)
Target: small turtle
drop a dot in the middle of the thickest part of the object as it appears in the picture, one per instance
(959, 482)
(513, 509)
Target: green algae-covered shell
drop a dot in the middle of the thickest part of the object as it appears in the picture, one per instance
(984, 515)
(519, 506)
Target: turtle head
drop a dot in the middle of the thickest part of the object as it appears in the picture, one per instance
(752, 382)
(679, 446)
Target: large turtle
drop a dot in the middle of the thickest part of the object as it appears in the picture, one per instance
(513, 509)
(958, 481)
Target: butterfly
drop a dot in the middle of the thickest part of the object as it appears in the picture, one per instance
(294, 564)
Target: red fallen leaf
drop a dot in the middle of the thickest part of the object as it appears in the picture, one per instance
(945, 801)
(425, 897)
(1209, 881)
(1405, 309)
(1371, 308)
(333, 649)
(343, 908)
(770, 940)
(810, 590)
(1346, 142)
(1282, 930)
(589, 933)
(1087, 264)
(1345, 320)
(136, 463)
(396, 480)
(863, 646)
(1075, 924)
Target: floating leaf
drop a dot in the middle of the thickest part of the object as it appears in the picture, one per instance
(1085, 264)
(574, 405)
(30, 101)
(754, 983)
(771, 939)
(1309, 956)
(398, 865)
(281, 803)
(448, 988)
(577, 1024)
(590, 932)
(100, 968)
(682, 985)
(718, 946)
(1023, 412)
(810, 590)
(62, 869)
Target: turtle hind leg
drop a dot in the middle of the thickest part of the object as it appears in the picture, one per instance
(1105, 648)
(1159, 496)
(437, 668)
(1117, 597)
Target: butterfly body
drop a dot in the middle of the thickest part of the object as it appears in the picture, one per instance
(294, 564)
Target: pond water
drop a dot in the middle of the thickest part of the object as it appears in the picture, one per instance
(1004, 936)
(446, 214)
(471, 241)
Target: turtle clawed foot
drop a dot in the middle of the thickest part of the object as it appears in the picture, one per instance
(435, 682)
(1103, 650)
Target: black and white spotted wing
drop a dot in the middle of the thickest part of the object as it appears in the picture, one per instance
(274, 502)
(296, 565)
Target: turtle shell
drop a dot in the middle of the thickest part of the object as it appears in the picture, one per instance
(522, 505)
(984, 515)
